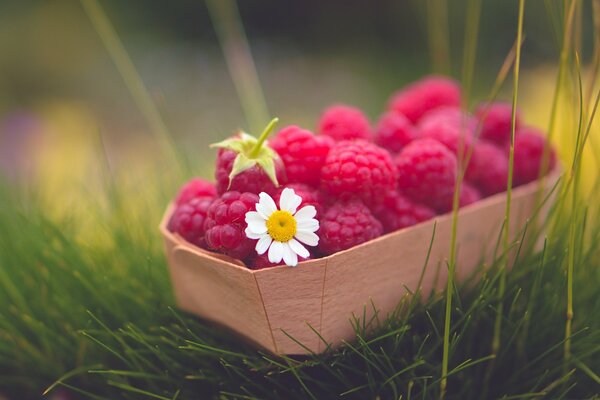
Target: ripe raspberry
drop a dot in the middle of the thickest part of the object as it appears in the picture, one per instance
(225, 224)
(345, 225)
(188, 220)
(252, 180)
(468, 194)
(358, 169)
(342, 122)
(427, 173)
(195, 188)
(450, 134)
(529, 149)
(453, 115)
(488, 168)
(399, 212)
(394, 131)
(302, 153)
(496, 124)
(425, 95)
(262, 261)
(310, 196)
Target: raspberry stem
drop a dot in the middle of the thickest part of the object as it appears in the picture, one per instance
(263, 136)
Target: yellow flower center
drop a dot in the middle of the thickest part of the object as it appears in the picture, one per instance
(281, 226)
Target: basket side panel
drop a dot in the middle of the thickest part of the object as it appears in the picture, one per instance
(220, 292)
(293, 300)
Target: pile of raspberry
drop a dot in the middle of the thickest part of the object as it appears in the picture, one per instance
(365, 179)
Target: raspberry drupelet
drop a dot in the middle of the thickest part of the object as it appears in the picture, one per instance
(398, 212)
(188, 220)
(394, 131)
(342, 122)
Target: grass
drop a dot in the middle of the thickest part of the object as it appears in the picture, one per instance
(87, 306)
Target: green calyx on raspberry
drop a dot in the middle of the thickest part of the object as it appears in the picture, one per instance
(252, 151)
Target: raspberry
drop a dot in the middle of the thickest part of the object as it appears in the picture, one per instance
(427, 173)
(358, 169)
(529, 149)
(425, 95)
(496, 124)
(394, 131)
(262, 262)
(488, 168)
(398, 212)
(450, 134)
(188, 220)
(345, 225)
(468, 194)
(302, 153)
(310, 196)
(342, 122)
(225, 224)
(252, 180)
(453, 115)
(195, 188)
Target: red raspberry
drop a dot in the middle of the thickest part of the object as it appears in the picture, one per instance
(358, 169)
(302, 153)
(342, 122)
(450, 134)
(453, 115)
(488, 168)
(188, 220)
(253, 180)
(427, 173)
(225, 224)
(195, 188)
(529, 149)
(394, 131)
(398, 212)
(310, 196)
(468, 194)
(496, 124)
(425, 95)
(262, 262)
(345, 225)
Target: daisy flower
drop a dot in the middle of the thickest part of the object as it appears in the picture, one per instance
(283, 231)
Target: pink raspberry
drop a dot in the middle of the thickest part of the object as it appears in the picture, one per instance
(425, 95)
(450, 134)
(468, 194)
(394, 131)
(302, 153)
(358, 169)
(188, 220)
(488, 168)
(496, 124)
(529, 148)
(225, 224)
(196, 187)
(253, 180)
(453, 115)
(345, 225)
(427, 173)
(398, 212)
(342, 122)
(262, 261)
(310, 196)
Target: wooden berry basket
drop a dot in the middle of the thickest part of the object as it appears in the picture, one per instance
(273, 305)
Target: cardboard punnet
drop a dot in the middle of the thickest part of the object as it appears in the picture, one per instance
(271, 306)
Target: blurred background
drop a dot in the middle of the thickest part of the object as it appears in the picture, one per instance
(62, 99)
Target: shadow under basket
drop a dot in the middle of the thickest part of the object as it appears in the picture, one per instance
(278, 308)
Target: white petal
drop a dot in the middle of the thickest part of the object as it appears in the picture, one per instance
(266, 206)
(254, 216)
(289, 257)
(258, 226)
(308, 238)
(298, 248)
(306, 212)
(252, 235)
(263, 244)
(289, 200)
(311, 225)
(276, 252)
